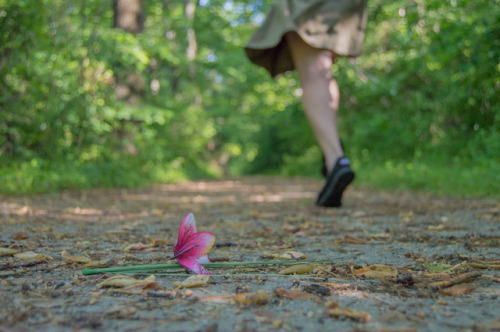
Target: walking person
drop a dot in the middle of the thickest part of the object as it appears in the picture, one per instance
(308, 35)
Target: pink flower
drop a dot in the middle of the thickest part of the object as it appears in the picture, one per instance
(192, 246)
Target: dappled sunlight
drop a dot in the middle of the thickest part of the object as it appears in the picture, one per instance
(258, 189)
(159, 201)
(20, 209)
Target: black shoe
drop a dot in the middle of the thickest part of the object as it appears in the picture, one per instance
(337, 181)
(324, 170)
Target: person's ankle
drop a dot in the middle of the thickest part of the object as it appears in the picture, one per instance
(331, 160)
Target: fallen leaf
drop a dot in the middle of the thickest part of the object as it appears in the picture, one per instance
(375, 271)
(7, 252)
(75, 259)
(217, 299)
(33, 256)
(287, 255)
(100, 263)
(311, 225)
(138, 246)
(120, 312)
(334, 310)
(20, 236)
(259, 298)
(353, 240)
(436, 227)
(121, 281)
(198, 280)
(95, 297)
(485, 266)
(139, 288)
(293, 294)
(406, 217)
(298, 269)
(457, 290)
(455, 280)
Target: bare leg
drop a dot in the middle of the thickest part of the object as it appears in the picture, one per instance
(320, 96)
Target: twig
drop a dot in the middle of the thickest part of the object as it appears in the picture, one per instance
(485, 266)
(454, 281)
(456, 267)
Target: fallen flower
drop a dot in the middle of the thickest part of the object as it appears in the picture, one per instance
(192, 246)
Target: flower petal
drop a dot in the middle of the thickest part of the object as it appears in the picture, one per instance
(196, 245)
(203, 259)
(188, 227)
(193, 265)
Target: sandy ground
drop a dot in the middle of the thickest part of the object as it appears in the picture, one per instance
(442, 256)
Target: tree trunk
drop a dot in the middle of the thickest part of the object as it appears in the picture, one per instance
(128, 15)
(130, 86)
(189, 10)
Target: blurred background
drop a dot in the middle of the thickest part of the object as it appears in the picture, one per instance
(102, 93)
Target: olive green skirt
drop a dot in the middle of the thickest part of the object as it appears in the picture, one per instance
(336, 25)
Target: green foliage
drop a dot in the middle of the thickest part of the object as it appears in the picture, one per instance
(419, 109)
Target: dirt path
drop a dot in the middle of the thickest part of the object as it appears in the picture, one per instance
(440, 256)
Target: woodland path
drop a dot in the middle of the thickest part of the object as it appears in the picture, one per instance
(440, 258)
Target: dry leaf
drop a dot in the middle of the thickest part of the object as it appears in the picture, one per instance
(455, 280)
(293, 294)
(121, 281)
(217, 298)
(457, 290)
(376, 271)
(353, 240)
(335, 310)
(138, 246)
(75, 259)
(95, 297)
(436, 227)
(259, 298)
(298, 269)
(198, 280)
(33, 256)
(7, 252)
(100, 263)
(406, 217)
(287, 255)
(139, 288)
(120, 312)
(20, 236)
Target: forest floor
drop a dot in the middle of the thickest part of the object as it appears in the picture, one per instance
(397, 261)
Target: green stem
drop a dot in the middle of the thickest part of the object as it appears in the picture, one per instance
(160, 267)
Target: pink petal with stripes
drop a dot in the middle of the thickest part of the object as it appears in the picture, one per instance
(193, 265)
